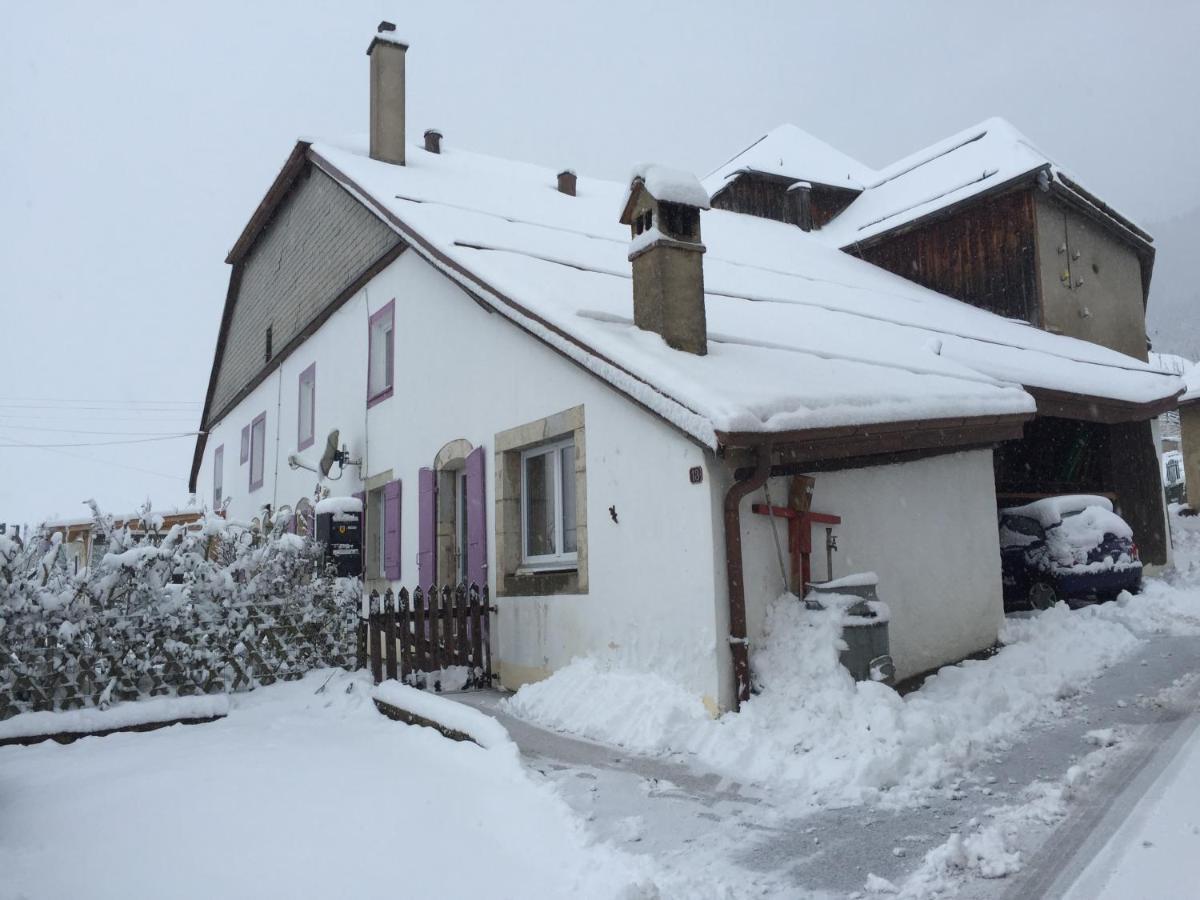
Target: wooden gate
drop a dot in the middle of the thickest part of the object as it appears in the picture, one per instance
(436, 638)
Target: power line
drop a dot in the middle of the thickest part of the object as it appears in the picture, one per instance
(95, 408)
(96, 400)
(107, 462)
(42, 428)
(98, 443)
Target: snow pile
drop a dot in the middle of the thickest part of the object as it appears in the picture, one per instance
(482, 729)
(1049, 511)
(640, 711)
(122, 715)
(832, 740)
(303, 791)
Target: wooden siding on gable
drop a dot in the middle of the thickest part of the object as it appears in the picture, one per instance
(766, 196)
(984, 254)
(319, 242)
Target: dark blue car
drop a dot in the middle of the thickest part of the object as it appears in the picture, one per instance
(1072, 548)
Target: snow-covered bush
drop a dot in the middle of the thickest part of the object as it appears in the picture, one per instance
(211, 609)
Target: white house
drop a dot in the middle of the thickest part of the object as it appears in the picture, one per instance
(574, 391)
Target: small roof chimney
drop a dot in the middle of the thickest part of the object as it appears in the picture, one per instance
(662, 209)
(566, 182)
(387, 94)
(800, 196)
(433, 140)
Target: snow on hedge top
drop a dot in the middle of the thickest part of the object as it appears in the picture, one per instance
(1049, 511)
(338, 505)
(667, 184)
(794, 153)
(801, 335)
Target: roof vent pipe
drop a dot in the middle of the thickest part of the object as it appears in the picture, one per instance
(566, 182)
(800, 195)
(387, 94)
(433, 140)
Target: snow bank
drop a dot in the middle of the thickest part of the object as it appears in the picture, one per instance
(325, 792)
(829, 739)
(479, 727)
(122, 715)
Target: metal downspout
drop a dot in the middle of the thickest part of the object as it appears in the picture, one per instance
(738, 647)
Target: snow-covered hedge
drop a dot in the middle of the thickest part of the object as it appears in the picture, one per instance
(208, 610)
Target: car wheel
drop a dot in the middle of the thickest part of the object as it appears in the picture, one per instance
(1042, 595)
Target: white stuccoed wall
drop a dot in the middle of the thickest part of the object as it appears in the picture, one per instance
(462, 372)
(928, 528)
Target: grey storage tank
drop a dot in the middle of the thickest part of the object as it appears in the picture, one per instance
(864, 627)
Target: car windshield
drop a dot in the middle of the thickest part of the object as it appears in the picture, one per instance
(1022, 525)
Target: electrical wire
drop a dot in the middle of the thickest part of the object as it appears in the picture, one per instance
(98, 443)
(40, 428)
(107, 462)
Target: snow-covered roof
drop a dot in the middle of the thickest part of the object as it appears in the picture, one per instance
(790, 152)
(801, 335)
(975, 160)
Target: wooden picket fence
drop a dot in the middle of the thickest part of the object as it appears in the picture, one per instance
(416, 637)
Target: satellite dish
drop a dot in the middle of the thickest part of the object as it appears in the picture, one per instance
(331, 453)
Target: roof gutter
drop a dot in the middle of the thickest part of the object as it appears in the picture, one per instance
(739, 647)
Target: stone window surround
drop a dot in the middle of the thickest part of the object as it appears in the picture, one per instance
(372, 562)
(511, 579)
(447, 465)
(386, 313)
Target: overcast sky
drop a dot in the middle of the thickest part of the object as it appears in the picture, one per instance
(138, 137)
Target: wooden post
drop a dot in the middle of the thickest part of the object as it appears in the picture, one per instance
(447, 627)
(476, 631)
(419, 630)
(405, 618)
(389, 632)
(462, 649)
(434, 621)
(376, 647)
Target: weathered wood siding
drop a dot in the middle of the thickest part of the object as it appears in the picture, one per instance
(766, 197)
(320, 241)
(984, 254)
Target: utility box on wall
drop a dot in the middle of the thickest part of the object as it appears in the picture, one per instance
(341, 533)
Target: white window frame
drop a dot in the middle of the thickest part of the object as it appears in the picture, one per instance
(559, 559)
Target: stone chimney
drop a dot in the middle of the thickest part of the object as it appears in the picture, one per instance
(387, 94)
(800, 195)
(662, 210)
(566, 182)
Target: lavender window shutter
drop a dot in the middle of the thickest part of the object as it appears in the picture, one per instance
(391, 531)
(426, 527)
(476, 519)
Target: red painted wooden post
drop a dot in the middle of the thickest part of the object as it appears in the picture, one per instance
(389, 631)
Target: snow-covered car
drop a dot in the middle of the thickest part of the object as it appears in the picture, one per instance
(1066, 548)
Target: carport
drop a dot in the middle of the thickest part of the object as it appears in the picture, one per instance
(1089, 445)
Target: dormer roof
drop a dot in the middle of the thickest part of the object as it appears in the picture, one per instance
(791, 152)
